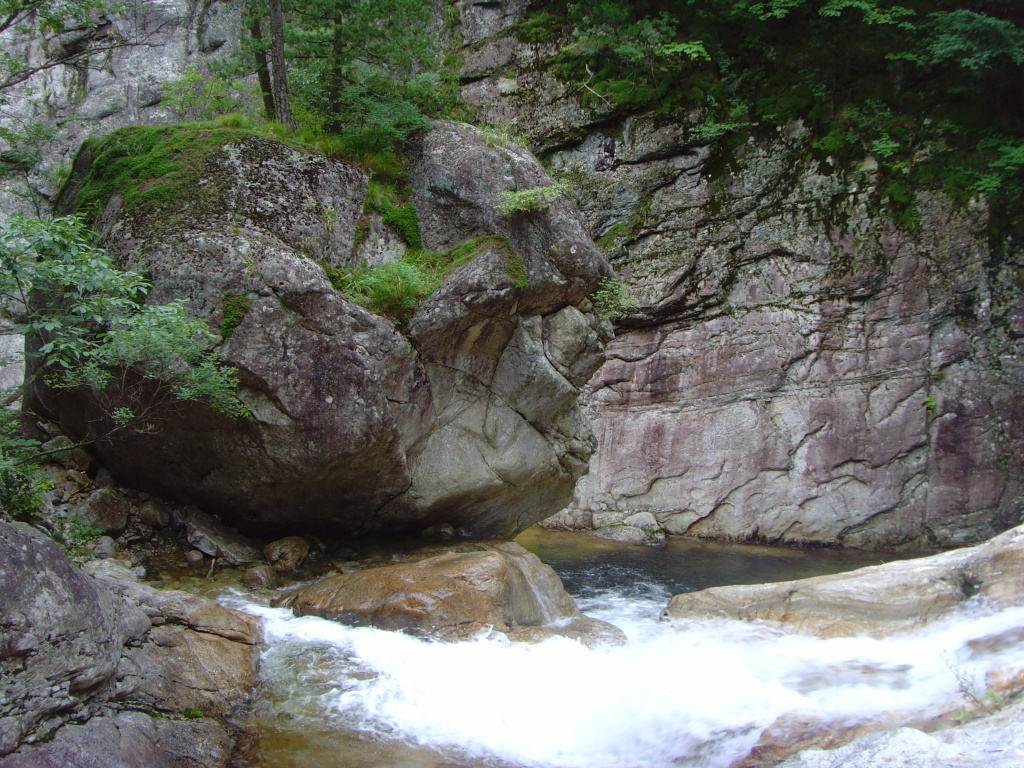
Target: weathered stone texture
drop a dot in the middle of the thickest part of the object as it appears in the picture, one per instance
(117, 87)
(467, 415)
(801, 369)
(78, 650)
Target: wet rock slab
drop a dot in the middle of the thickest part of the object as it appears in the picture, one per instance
(455, 595)
(878, 600)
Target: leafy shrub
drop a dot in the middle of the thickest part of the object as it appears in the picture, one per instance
(394, 289)
(204, 96)
(397, 288)
(535, 199)
(612, 299)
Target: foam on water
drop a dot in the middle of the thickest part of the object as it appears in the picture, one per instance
(694, 695)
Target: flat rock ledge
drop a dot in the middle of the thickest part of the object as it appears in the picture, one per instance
(495, 587)
(880, 601)
(877, 601)
(993, 742)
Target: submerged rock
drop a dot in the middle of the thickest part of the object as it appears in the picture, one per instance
(456, 595)
(878, 600)
(467, 415)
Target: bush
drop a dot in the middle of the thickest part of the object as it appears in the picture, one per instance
(612, 299)
(535, 199)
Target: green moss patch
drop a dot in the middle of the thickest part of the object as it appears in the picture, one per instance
(391, 202)
(397, 288)
(234, 307)
(153, 167)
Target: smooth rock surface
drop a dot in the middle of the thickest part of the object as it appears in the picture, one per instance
(455, 595)
(878, 600)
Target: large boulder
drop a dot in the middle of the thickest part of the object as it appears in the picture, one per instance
(498, 586)
(467, 415)
(83, 657)
(878, 600)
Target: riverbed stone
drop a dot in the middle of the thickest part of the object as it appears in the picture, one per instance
(878, 600)
(497, 587)
(261, 575)
(629, 534)
(154, 514)
(288, 553)
(215, 539)
(107, 509)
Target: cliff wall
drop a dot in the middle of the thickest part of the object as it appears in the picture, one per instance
(805, 364)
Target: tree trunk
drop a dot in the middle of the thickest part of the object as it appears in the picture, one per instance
(282, 106)
(336, 79)
(263, 71)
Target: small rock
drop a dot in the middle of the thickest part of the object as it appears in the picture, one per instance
(146, 531)
(154, 514)
(262, 576)
(630, 534)
(194, 556)
(105, 548)
(286, 554)
(69, 457)
(645, 521)
(107, 509)
(215, 539)
(103, 478)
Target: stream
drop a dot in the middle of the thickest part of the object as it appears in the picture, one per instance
(340, 697)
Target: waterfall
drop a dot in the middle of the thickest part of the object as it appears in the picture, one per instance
(698, 695)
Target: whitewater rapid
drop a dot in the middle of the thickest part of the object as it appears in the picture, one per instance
(695, 695)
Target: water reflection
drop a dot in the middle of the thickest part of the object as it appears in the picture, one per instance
(589, 564)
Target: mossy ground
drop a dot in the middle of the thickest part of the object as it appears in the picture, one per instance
(395, 289)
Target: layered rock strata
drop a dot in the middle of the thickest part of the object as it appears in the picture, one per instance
(467, 415)
(801, 368)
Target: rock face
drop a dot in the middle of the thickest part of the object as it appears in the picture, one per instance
(993, 742)
(877, 600)
(122, 85)
(83, 657)
(453, 595)
(801, 369)
(467, 416)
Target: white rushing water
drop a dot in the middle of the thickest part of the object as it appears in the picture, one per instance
(696, 696)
